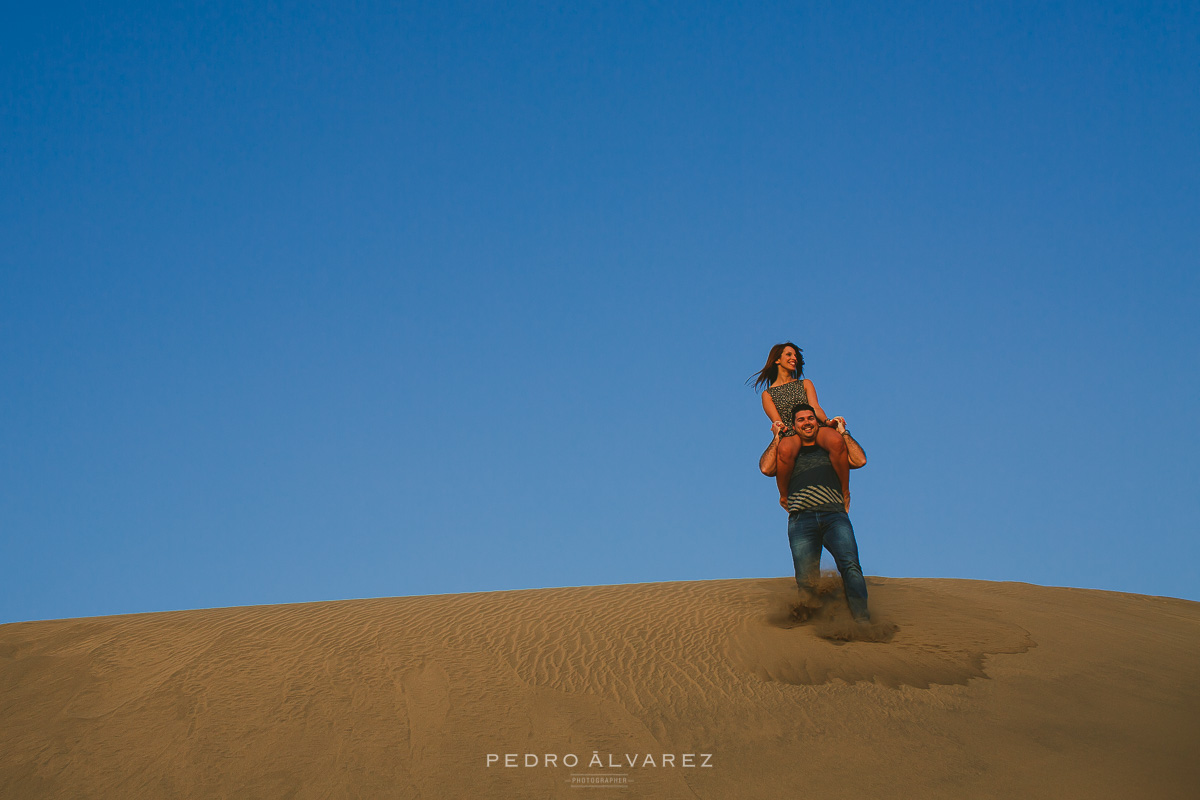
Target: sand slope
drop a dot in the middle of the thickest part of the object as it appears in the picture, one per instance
(983, 690)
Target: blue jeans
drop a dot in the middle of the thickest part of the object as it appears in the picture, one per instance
(807, 532)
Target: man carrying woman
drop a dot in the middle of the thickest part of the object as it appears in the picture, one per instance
(787, 388)
(810, 456)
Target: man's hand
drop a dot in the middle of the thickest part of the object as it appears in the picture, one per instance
(846, 501)
(839, 423)
(777, 428)
(783, 502)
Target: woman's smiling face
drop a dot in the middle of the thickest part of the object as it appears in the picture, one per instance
(787, 360)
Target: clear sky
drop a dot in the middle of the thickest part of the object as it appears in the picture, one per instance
(344, 300)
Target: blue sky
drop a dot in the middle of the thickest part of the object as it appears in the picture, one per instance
(350, 300)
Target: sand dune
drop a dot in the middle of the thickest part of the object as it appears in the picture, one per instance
(961, 689)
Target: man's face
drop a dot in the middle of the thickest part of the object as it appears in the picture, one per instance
(806, 425)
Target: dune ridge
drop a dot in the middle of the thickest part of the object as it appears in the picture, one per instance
(969, 688)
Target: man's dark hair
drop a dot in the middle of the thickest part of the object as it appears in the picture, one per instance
(803, 407)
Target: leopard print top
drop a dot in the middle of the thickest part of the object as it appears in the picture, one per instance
(787, 396)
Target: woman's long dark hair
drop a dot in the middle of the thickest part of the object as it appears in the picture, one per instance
(770, 372)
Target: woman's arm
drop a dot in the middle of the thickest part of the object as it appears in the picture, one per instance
(769, 407)
(812, 401)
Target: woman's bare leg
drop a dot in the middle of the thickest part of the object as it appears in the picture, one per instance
(785, 459)
(832, 442)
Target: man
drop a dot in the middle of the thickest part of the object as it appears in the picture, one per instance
(857, 456)
(817, 517)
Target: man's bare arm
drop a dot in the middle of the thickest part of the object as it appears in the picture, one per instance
(766, 462)
(856, 455)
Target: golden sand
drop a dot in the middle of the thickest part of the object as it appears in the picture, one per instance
(962, 689)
